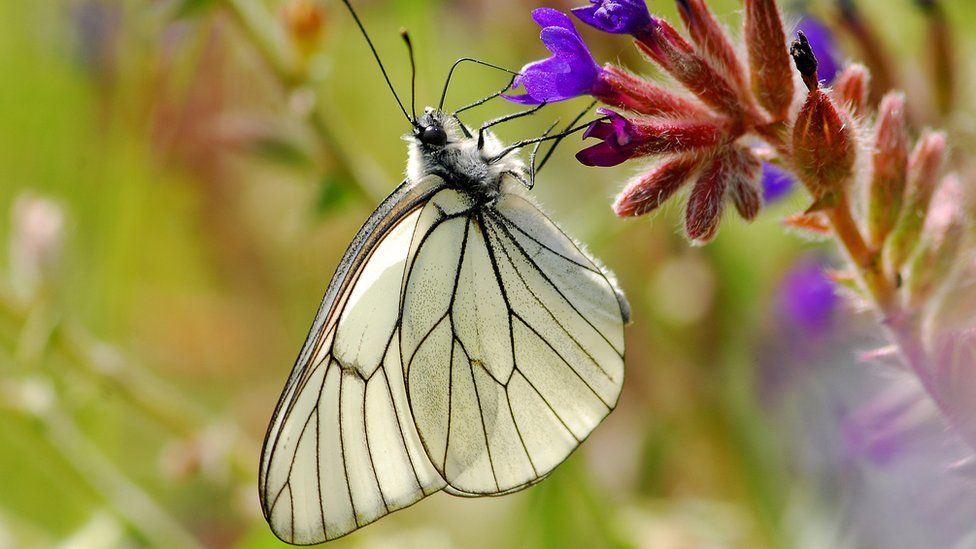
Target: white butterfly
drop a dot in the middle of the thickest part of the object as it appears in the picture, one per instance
(465, 343)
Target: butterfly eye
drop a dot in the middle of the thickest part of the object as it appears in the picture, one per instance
(433, 135)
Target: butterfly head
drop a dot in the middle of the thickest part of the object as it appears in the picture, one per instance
(433, 130)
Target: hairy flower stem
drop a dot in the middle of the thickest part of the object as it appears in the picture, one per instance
(902, 329)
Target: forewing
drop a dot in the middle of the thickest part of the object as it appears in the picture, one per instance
(512, 339)
(342, 450)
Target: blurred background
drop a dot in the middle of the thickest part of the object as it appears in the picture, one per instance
(178, 180)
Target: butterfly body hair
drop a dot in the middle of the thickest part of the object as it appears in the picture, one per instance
(477, 171)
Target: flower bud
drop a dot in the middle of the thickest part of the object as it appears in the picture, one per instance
(887, 187)
(769, 64)
(619, 88)
(665, 46)
(304, 20)
(942, 238)
(823, 145)
(645, 193)
(851, 88)
(705, 203)
(625, 138)
(924, 167)
(745, 188)
(712, 40)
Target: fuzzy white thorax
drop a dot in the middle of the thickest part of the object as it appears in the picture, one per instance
(460, 160)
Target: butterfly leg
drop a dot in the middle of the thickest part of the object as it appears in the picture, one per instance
(481, 101)
(506, 118)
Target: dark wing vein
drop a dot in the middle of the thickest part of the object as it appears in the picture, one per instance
(563, 328)
(542, 273)
(504, 219)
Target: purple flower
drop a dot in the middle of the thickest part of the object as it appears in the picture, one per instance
(776, 182)
(570, 72)
(620, 140)
(807, 298)
(822, 42)
(615, 16)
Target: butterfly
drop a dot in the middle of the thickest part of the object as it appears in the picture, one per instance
(465, 343)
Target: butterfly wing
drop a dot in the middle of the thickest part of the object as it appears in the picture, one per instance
(511, 339)
(341, 450)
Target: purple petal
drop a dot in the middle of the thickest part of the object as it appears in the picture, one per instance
(776, 182)
(807, 298)
(603, 155)
(615, 16)
(570, 72)
(548, 17)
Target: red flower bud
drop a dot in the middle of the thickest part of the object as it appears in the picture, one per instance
(622, 89)
(887, 186)
(705, 203)
(712, 40)
(851, 88)
(769, 63)
(665, 46)
(647, 192)
(823, 145)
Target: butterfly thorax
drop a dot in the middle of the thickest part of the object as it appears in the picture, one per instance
(439, 146)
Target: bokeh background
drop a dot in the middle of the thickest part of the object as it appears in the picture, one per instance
(178, 180)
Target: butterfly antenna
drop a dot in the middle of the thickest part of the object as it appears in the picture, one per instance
(450, 74)
(413, 73)
(376, 56)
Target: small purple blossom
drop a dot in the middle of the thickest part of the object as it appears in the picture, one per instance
(615, 16)
(823, 45)
(569, 73)
(807, 297)
(619, 137)
(776, 182)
